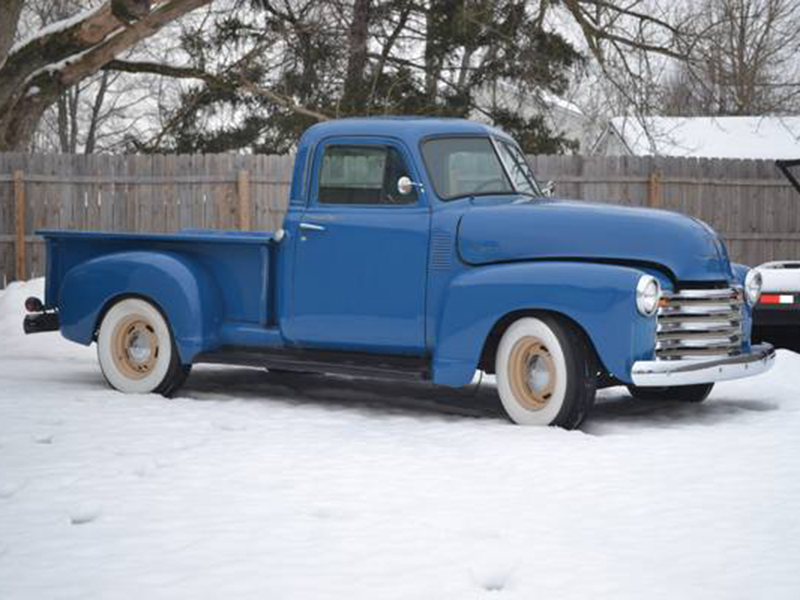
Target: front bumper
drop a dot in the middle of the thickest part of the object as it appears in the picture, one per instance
(658, 373)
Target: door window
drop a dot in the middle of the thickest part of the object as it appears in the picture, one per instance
(362, 175)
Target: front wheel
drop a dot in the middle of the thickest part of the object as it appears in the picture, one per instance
(136, 350)
(544, 373)
(677, 393)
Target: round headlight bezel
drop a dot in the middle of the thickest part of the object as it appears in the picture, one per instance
(753, 283)
(648, 295)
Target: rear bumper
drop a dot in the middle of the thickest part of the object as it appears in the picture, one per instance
(39, 322)
(776, 316)
(657, 373)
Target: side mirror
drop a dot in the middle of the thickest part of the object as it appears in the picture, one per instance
(405, 186)
(549, 189)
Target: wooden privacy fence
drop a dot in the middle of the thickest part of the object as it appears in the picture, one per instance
(154, 193)
(748, 202)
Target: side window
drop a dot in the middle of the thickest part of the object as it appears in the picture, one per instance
(362, 175)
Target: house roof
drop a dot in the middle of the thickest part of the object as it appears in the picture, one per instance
(712, 137)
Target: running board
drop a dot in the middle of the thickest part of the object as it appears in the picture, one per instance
(357, 364)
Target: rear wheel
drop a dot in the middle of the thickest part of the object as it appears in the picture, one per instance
(136, 350)
(544, 373)
(677, 393)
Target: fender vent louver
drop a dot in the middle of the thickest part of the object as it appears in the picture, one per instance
(441, 250)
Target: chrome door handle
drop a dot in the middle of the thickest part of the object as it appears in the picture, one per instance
(311, 227)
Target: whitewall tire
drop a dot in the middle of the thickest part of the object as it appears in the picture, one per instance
(544, 373)
(136, 350)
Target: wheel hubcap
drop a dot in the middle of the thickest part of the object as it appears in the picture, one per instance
(135, 346)
(532, 373)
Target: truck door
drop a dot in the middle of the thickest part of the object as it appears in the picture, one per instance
(361, 247)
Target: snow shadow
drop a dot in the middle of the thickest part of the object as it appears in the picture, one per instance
(613, 407)
(617, 407)
(372, 395)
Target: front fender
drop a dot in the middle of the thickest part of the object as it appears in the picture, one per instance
(184, 291)
(598, 297)
(740, 272)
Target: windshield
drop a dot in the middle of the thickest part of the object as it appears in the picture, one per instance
(518, 169)
(465, 166)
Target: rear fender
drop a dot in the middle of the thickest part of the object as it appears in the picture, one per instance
(599, 298)
(183, 290)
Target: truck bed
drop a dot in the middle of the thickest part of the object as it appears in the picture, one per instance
(238, 263)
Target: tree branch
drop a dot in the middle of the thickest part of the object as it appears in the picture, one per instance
(106, 51)
(10, 9)
(215, 80)
(593, 32)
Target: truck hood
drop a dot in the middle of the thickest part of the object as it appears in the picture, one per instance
(563, 229)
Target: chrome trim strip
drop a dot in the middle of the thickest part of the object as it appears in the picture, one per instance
(721, 342)
(698, 309)
(699, 318)
(311, 227)
(657, 373)
(729, 292)
(698, 326)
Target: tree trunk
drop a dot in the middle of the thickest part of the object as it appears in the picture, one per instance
(432, 61)
(63, 122)
(74, 104)
(91, 136)
(356, 90)
(35, 74)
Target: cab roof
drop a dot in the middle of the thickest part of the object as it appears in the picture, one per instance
(408, 129)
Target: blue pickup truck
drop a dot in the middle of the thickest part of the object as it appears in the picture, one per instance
(425, 249)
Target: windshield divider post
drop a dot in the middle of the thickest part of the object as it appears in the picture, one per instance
(503, 164)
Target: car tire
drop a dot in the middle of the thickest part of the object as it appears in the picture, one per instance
(136, 350)
(544, 373)
(677, 393)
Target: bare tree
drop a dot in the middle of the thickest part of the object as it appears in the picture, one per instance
(743, 60)
(35, 71)
(75, 121)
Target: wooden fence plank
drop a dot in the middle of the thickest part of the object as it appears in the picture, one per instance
(20, 271)
(243, 191)
(654, 189)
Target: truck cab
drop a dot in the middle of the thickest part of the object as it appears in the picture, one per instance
(426, 249)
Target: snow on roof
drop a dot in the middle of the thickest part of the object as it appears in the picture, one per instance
(549, 98)
(712, 137)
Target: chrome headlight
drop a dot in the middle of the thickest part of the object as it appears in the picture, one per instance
(648, 295)
(752, 287)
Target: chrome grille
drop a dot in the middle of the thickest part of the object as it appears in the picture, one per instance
(699, 324)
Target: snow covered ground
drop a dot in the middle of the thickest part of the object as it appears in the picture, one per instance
(250, 485)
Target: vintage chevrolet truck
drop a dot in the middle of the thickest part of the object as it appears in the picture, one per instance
(426, 249)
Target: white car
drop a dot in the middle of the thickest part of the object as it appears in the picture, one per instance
(776, 317)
